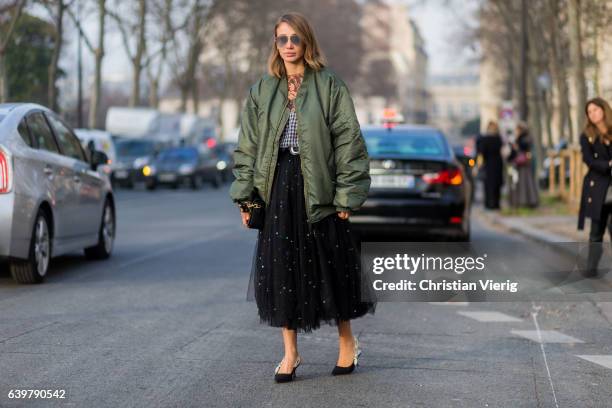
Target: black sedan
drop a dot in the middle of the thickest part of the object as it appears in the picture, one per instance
(418, 184)
(132, 156)
(179, 165)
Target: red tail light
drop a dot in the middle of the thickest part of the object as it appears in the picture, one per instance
(5, 173)
(455, 220)
(210, 143)
(451, 177)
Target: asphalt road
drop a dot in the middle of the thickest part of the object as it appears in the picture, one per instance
(165, 323)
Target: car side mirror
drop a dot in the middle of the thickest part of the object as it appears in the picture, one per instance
(98, 158)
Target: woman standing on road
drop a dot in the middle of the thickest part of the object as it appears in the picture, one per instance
(596, 202)
(301, 150)
(490, 146)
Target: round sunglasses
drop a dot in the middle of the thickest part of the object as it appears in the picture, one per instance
(282, 40)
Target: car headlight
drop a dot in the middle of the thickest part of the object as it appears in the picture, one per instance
(149, 170)
(141, 162)
(186, 168)
(221, 165)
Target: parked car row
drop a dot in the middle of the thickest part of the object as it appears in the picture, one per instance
(145, 161)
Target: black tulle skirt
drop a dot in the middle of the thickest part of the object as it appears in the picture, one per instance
(299, 278)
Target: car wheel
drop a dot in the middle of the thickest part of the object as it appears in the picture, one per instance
(129, 183)
(216, 182)
(465, 234)
(34, 269)
(195, 182)
(106, 235)
(151, 185)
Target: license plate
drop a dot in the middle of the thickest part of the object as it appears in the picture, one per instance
(167, 177)
(392, 181)
(121, 174)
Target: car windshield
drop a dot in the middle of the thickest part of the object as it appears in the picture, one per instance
(422, 143)
(134, 148)
(178, 155)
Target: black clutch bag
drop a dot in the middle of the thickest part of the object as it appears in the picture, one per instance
(256, 210)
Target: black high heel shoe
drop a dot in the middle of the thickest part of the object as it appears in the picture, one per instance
(282, 377)
(338, 370)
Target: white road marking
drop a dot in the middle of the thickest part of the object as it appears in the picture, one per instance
(534, 315)
(601, 359)
(449, 303)
(490, 316)
(546, 336)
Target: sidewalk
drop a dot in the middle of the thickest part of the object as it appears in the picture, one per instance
(541, 228)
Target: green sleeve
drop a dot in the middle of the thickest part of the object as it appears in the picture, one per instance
(350, 152)
(246, 151)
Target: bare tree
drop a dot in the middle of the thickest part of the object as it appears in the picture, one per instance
(576, 58)
(162, 17)
(135, 52)
(185, 59)
(98, 52)
(56, 9)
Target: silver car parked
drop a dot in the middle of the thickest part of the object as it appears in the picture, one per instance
(52, 198)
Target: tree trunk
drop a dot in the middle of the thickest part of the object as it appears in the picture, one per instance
(96, 94)
(535, 119)
(59, 38)
(184, 97)
(557, 68)
(577, 63)
(4, 95)
(140, 51)
(154, 93)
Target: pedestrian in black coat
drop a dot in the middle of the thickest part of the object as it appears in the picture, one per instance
(489, 146)
(596, 144)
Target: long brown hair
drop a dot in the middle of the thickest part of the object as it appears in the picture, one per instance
(492, 127)
(313, 56)
(590, 129)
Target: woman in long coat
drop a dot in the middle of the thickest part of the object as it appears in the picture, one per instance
(302, 151)
(596, 144)
(489, 146)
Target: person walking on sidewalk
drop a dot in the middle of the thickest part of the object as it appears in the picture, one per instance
(301, 150)
(596, 198)
(489, 146)
(523, 188)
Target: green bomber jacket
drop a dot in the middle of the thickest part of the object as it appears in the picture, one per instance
(333, 154)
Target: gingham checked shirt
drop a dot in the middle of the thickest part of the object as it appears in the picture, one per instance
(290, 137)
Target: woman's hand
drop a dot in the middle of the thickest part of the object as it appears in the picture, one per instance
(343, 215)
(245, 218)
